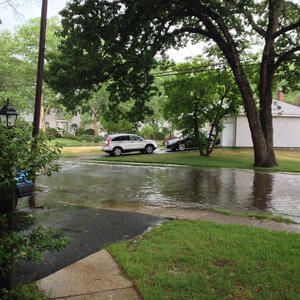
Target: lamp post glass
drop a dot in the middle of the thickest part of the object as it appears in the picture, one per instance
(8, 115)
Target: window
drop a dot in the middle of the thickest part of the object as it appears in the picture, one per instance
(121, 138)
(135, 138)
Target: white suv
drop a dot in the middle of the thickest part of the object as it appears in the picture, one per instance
(116, 144)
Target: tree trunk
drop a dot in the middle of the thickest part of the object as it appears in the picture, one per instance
(196, 130)
(266, 99)
(95, 122)
(267, 73)
(263, 145)
(43, 119)
(264, 155)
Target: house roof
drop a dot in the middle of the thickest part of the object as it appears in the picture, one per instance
(285, 109)
(280, 108)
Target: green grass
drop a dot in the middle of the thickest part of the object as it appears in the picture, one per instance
(205, 260)
(221, 158)
(72, 143)
(256, 216)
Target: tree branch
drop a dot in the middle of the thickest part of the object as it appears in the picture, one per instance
(191, 30)
(257, 28)
(286, 29)
(249, 17)
(286, 56)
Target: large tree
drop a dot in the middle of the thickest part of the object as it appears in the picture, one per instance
(120, 39)
(198, 101)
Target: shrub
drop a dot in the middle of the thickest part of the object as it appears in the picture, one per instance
(87, 138)
(89, 131)
(24, 292)
(147, 132)
(53, 132)
(98, 139)
(26, 247)
(72, 137)
(80, 131)
(159, 135)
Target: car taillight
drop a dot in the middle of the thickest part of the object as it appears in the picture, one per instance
(107, 142)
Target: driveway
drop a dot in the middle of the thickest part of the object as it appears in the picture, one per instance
(90, 231)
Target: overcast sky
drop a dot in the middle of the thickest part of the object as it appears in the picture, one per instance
(32, 9)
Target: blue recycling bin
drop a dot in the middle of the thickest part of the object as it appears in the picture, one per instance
(24, 187)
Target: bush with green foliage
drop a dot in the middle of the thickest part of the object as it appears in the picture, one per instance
(98, 139)
(80, 131)
(89, 131)
(147, 132)
(17, 247)
(24, 292)
(72, 137)
(122, 126)
(21, 152)
(53, 132)
(87, 138)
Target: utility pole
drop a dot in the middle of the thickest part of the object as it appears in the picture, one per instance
(40, 71)
(39, 84)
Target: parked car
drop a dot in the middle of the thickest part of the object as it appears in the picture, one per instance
(117, 144)
(170, 137)
(182, 144)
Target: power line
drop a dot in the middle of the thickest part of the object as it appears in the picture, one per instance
(215, 67)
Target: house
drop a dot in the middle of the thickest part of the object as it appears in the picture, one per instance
(58, 120)
(286, 127)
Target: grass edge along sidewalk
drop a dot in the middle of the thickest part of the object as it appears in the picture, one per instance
(204, 260)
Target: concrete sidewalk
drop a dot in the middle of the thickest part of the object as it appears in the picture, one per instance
(207, 215)
(99, 277)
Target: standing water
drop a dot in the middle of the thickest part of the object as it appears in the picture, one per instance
(99, 185)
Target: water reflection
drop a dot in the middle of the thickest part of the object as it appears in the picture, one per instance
(262, 190)
(96, 185)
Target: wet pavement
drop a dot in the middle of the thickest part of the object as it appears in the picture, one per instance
(90, 231)
(109, 186)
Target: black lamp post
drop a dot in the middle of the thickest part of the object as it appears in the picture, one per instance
(8, 115)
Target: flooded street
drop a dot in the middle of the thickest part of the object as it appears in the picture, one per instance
(98, 185)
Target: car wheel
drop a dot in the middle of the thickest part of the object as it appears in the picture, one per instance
(149, 149)
(117, 151)
(181, 147)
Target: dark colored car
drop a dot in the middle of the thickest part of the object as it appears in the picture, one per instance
(166, 139)
(182, 144)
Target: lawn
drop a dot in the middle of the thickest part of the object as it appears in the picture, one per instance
(83, 150)
(288, 161)
(73, 148)
(205, 260)
(73, 143)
